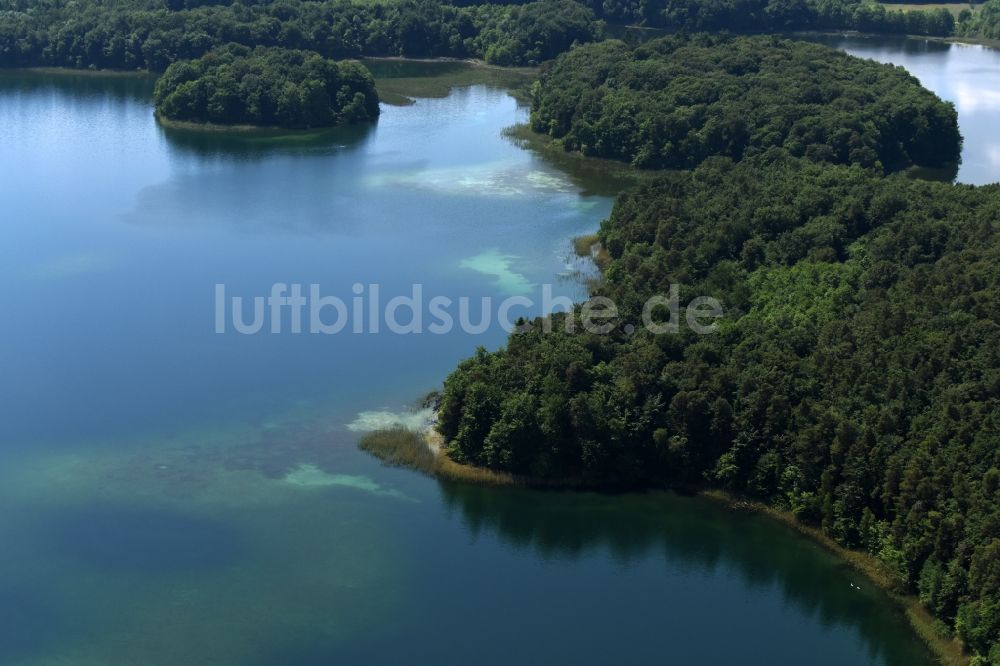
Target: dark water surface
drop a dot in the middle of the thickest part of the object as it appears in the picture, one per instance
(170, 495)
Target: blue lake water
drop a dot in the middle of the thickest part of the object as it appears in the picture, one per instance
(173, 495)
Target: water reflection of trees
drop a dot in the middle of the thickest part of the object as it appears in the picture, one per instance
(81, 87)
(888, 43)
(250, 146)
(695, 536)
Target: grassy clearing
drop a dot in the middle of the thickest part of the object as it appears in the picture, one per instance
(954, 7)
(947, 650)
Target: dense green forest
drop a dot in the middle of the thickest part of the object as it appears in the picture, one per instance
(147, 34)
(854, 379)
(673, 102)
(151, 34)
(984, 23)
(266, 86)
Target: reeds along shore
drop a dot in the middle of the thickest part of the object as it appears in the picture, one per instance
(421, 451)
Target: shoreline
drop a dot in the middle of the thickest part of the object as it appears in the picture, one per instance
(474, 62)
(945, 649)
(615, 175)
(423, 451)
(72, 71)
(242, 129)
(985, 42)
(403, 88)
(449, 469)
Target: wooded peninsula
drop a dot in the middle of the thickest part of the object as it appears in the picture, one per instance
(854, 380)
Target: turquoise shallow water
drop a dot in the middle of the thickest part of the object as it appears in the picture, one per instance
(170, 495)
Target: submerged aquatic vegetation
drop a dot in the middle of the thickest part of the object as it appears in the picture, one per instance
(310, 476)
(498, 265)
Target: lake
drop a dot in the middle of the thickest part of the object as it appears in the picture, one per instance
(170, 494)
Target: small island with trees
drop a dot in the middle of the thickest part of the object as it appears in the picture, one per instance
(266, 87)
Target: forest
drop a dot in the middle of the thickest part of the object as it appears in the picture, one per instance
(266, 87)
(984, 23)
(151, 34)
(854, 380)
(675, 101)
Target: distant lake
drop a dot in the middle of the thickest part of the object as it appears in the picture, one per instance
(172, 495)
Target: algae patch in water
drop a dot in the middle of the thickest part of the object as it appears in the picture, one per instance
(371, 421)
(308, 475)
(498, 266)
(497, 179)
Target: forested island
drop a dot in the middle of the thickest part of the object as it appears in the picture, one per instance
(266, 87)
(674, 102)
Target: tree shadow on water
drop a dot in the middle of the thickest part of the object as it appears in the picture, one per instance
(250, 145)
(82, 86)
(698, 537)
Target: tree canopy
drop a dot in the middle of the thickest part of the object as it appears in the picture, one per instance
(854, 379)
(151, 34)
(673, 102)
(984, 23)
(266, 86)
